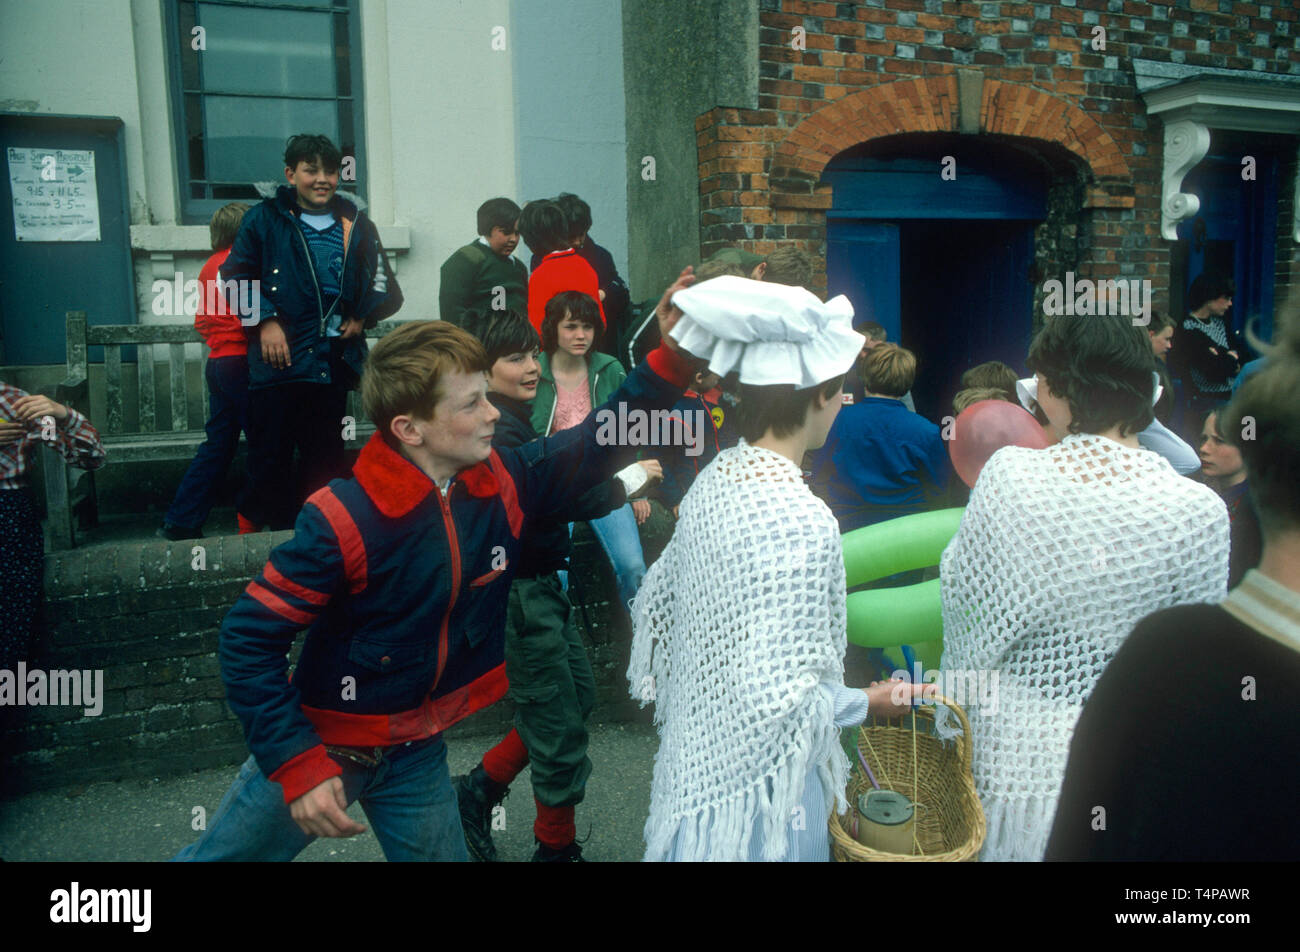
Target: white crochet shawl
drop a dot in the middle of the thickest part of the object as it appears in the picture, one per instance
(1060, 552)
(736, 625)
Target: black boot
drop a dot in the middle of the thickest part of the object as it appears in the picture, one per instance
(477, 794)
(570, 854)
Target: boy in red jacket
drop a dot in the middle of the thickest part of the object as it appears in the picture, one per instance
(400, 576)
(545, 229)
(227, 379)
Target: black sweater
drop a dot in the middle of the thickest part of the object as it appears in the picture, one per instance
(1184, 765)
(545, 545)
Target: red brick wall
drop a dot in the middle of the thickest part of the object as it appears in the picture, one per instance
(880, 68)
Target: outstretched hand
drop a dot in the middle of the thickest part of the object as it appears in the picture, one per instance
(667, 312)
(896, 697)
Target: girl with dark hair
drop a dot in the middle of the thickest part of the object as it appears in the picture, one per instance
(1059, 552)
(1225, 471)
(576, 378)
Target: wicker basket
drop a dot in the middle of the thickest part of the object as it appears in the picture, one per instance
(949, 819)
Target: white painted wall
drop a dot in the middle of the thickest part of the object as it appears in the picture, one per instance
(569, 110)
(449, 121)
(450, 125)
(75, 57)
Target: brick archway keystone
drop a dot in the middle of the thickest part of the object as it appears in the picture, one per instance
(934, 104)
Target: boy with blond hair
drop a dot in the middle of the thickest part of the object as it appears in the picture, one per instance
(226, 374)
(400, 575)
(881, 460)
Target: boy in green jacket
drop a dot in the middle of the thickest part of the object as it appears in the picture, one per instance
(483, 274)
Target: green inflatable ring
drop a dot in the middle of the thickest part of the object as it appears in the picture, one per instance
(903, 615)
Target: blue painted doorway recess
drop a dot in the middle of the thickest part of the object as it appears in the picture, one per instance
(943, 264)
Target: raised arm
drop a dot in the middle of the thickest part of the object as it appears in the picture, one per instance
(556, 469)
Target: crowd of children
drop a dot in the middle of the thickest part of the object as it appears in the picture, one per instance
(432, 579)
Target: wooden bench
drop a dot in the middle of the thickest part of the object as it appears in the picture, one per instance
(146, 438)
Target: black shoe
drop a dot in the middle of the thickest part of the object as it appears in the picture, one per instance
(477, 794)
(178, 533)
(570, 854)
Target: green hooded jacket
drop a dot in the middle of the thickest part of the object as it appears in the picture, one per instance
(604, 375)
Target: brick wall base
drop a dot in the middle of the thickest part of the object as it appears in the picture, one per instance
(143, 615)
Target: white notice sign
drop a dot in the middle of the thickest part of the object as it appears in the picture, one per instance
(55, 197)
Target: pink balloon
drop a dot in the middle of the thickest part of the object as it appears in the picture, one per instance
(984, 428)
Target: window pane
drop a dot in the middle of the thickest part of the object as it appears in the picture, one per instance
(194, 136)
(302, 3)
(236, 193)
(267, 51)
(189, 55)
(246, 136)
(342, 50)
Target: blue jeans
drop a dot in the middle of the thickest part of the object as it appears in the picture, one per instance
(407, 797)
(227, 379)
(619, 538)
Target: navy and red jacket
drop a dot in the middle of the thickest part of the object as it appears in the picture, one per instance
(403, 593)
(680, 469)
(270, 248)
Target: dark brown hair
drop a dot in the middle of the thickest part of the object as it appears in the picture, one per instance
(780, 407)
(1101, 365)
(579, 306)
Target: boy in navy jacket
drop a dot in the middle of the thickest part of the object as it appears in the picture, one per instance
(318, 279)
(401, 576)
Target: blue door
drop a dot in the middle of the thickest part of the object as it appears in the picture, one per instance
(1235, 231)
(943, 263)
(862, 263)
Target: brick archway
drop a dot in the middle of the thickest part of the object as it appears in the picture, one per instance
(931, 104)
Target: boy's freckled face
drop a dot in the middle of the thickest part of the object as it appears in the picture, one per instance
(460, 432)
(315, 186)
(515, 376)
(503, 242)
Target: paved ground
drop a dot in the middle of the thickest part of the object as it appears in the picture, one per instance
(149, 820)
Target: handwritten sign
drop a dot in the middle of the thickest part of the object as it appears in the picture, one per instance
(55, 195)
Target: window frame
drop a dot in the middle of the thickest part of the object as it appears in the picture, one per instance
(199, 211)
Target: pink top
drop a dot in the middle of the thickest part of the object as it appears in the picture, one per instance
(571, 407)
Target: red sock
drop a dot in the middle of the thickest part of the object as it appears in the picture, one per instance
(504, 761)
(554, 826)
(245, 526)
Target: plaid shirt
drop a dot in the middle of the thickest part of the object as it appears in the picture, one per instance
(74, 438)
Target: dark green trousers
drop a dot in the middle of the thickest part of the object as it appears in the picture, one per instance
(552, 686)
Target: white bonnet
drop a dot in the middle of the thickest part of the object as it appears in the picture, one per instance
(770, 333)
